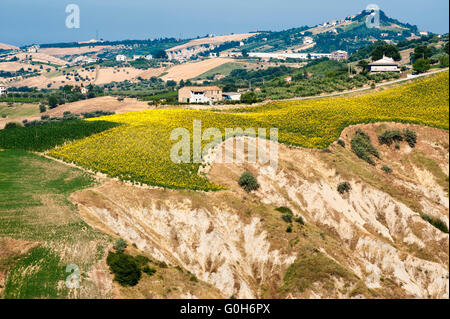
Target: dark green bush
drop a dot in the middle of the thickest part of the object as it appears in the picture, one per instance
(11, 125)
(388, 137)
(343, 188)
(363, 148)
(341, 143)
(289, 229)
(387, 169)
(410, 137)
(436, 222)
(149, 270)
(300, 220)
(248, 182)
(126, 271)
(288, 215)
(395, 136)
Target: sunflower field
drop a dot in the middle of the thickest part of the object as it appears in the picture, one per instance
(139, 150)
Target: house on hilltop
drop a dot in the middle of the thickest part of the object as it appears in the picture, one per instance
(385, 64)
(199, 94)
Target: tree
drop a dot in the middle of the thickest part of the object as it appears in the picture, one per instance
(52, 101)
(126, 271)
(446, 48)
(161, 54)
(385, 49)
(364, 65)
(422, 65)
(12, 125)
(248, 182)
(42, 108)
(422, 52)
(245, 53)
(248, 98)
(444, 61)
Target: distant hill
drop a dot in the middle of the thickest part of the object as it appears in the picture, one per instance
(350, 34)
(4, 46)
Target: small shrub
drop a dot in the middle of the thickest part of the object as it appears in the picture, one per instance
(387, 169)
(388, 137)
(141, 260)
(363, 148)
(42, 108)
(12, 125)
(287, 218)
(341, 143)
(287, 214)
(126, 271)
(248, 182)
(149, 270)
(436, 222)
(410, 137)
(120, 245)
(343, 188)
(300, 220)
(289, 229)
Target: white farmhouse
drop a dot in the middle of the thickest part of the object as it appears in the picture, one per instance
(385, 64)
(3, 90)
(121, 58)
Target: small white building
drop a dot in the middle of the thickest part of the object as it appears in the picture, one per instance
(33, 49)
(423, 33)
(385, 64)
(137, 57)
(121, 58)
(231, 96)
(3, 90)
(91, 59)
(84, 90)
(308, 40)
(149, 57)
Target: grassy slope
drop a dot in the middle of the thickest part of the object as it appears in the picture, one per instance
(18, 110)
(140, 150)
(224, 69)
(34, 206)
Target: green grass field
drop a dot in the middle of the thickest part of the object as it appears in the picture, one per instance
(224, 69)
(34, 206)
(18, 110)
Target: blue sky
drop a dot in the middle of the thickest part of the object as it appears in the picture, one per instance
(43, 21)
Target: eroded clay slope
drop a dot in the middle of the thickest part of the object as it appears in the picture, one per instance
(371, 242)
